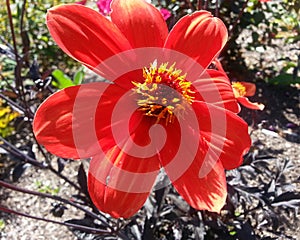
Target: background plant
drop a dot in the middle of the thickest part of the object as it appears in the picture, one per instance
(32, 67)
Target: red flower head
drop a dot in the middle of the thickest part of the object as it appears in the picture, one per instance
(161, 109)
(242, 90)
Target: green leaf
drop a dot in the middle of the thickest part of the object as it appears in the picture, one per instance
(255, 36)
(258, 17)
(62, 81)
(284, 79)
(288, 66)
(2, 224)
(78, 77)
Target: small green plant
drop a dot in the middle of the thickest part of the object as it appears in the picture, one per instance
(43, 188)
(62, 80)
(2, 224)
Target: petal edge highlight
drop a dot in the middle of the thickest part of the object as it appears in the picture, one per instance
(199, 35)
(85, 34)
(56, 121)
(141, 23)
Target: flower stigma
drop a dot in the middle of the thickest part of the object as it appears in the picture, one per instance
(165, 93)
(239, 89)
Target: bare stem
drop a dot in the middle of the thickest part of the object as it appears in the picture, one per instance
(60, 199)
(205, 4)
(79, 227)
(199, 5)
(217, 8)
(232, 28)
(12, 103)
(57, 198)
(11, 25)
(19, 61)
(12, 149)
(15, 151)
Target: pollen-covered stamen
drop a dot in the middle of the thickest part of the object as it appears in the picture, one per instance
(239, 89)
(164, 93)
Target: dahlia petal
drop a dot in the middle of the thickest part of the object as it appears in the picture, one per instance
(85, 35)
(218, 65)
(52, 125)
(181, 144)
(63, 121)
(251, 105)
(116, 203)
(134, 140)
(250, 88)
(199, 35)
(116, 190)
(225, 133)
(120, 123)
(141, 23)
(221, 140)
(214, 87)
(206, 193)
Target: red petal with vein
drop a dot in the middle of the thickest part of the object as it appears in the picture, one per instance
(207, 193)
(141, 23)
(85, 34)
(57, 129)
(225, 132)
(214, 87)
(117, 203)
(237, 142)
(219, 65)
(222, 141)
(129, 142)
(118, 123)
(250, 88)
(121, 178)
(199, 35)
(251, 105)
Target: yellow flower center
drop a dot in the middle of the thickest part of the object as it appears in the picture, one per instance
(239, 89)
(164, 93)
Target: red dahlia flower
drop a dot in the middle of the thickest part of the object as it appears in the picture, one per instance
(162, 108)
(242, 90)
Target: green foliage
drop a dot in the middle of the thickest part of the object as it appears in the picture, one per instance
(7, 67)
(2, 224)
(263, 29)
(63, 81)
(32, 35)
(44, 188)
(285, 79)
(7, 115)
(78, 77)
